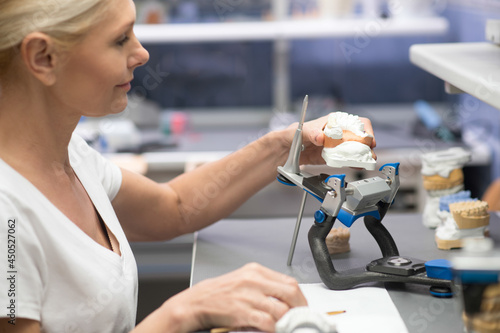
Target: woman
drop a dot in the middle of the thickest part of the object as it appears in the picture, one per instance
(68, 214)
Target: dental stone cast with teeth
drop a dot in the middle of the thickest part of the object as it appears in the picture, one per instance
(461, 217)
(442, 175)
(346, 142)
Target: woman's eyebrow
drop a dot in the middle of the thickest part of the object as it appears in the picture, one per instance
(126, 26)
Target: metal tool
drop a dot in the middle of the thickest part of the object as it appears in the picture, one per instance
(368, 198)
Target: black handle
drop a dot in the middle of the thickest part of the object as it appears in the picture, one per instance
(384, 239)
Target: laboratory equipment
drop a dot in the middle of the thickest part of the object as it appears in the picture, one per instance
(369, 198)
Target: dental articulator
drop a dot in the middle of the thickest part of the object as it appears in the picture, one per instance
(346, 202)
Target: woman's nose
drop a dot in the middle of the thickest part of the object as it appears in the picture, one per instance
(140, 56)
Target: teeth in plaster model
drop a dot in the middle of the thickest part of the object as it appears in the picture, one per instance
(470, 214)
(436, 182)
(347, 143)
(464, 220)
(337, 240)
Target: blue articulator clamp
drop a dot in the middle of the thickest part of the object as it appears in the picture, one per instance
(440, 269)
(348, 219)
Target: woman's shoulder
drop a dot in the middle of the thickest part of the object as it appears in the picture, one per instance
(15, 190)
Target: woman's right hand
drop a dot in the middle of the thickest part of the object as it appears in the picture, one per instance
(252, 296)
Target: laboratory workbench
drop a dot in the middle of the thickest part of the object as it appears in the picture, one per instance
(229, 244)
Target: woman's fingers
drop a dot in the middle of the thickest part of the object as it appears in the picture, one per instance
(278, 285)
(369, 130)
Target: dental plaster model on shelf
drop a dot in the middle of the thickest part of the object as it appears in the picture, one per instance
(346, 142)
(462, 217)
(442, 175)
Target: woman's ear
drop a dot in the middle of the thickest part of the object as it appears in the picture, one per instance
(39, 55)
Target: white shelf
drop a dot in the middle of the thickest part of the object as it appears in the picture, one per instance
(473, 68)
(254, 31)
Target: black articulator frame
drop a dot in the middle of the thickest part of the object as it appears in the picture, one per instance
(368, 198)
(391, 267)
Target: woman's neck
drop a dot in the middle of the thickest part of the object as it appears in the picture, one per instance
(34, 131)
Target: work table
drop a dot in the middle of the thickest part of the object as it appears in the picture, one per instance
(229, 244)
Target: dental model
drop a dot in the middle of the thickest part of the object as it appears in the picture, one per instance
(347, 143)
(337, 240)
(442, 175)
(488, 319)
(466, 219)
(444, 204)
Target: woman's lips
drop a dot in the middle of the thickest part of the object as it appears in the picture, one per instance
(125, 86)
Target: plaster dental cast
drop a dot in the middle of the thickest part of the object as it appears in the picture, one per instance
(347, 143)
(75, 212)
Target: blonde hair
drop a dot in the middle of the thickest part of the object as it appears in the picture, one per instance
(66, 21)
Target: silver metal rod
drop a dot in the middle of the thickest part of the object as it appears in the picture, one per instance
(297, 228)
(305, 103)
(292, 164)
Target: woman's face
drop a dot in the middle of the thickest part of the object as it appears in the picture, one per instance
(95, 77)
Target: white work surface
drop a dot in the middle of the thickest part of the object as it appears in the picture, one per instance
(230, 244)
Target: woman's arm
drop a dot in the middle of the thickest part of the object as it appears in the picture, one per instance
(151, 211)
(492, 196)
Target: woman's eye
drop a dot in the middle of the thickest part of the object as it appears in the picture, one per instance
(122, 41)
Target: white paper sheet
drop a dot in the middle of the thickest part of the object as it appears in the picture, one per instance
(368, 309)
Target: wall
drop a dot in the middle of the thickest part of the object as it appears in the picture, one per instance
(240, 74)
